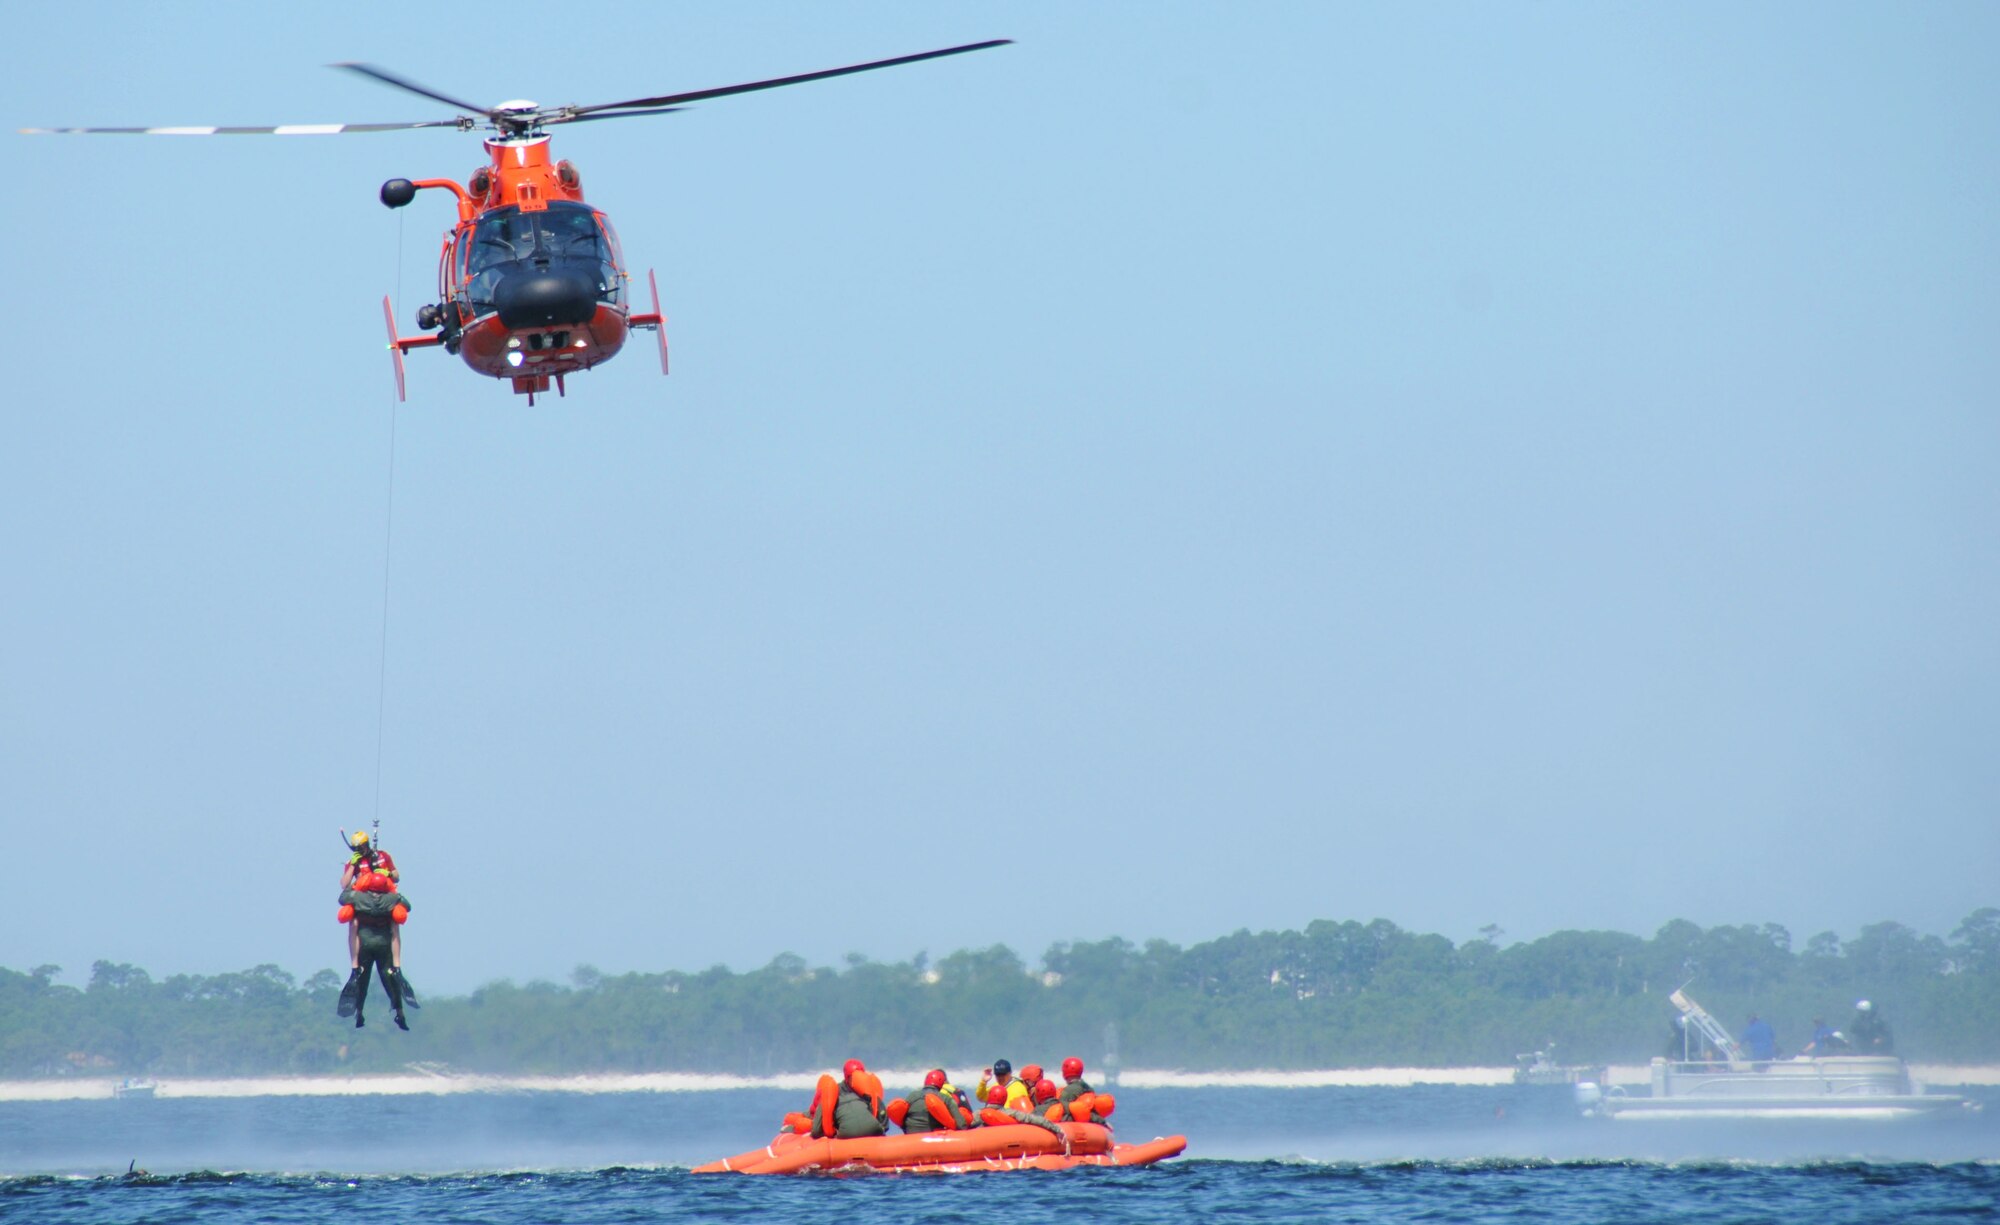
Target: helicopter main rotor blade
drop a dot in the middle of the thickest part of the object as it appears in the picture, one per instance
(389, 78)
(591, 118)
(282, 129)
(667, 100)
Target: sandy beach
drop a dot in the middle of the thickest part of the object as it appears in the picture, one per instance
(437, 1083)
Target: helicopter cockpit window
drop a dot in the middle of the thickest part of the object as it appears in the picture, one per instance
(565, 232)
(612, 289)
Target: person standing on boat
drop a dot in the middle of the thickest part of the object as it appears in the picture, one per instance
(1826, 1040)
(1868, 1031)
(1760, 1040)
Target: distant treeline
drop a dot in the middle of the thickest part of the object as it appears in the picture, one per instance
(1338, 994)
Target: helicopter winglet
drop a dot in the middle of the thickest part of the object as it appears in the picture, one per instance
(399, 345)
(655, 321)
(395, 350)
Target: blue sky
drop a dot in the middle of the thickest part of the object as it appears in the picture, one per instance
(1200, 467)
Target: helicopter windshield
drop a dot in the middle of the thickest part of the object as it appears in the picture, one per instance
(564, 233)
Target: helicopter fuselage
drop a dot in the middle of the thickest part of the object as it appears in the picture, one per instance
(532, 285)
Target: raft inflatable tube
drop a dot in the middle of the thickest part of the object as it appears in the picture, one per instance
(1013, 1146)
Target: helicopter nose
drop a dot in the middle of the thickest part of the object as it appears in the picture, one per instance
(542, 297)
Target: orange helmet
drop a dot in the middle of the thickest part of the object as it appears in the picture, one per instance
(996, 1096)
(1031, 1072)
(1072, 1068)
(934, 1079)
(1045, 1089)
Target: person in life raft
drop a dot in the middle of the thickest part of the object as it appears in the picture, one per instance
(846, 1109)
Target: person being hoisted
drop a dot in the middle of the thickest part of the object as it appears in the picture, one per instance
(376, 909)
(366, 859)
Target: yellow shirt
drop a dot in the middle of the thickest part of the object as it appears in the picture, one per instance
(1016, 1089)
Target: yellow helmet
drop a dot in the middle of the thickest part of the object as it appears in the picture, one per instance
(360, 839)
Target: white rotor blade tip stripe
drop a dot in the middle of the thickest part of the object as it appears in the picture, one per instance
(307, 129)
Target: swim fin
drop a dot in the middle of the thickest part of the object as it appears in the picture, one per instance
(410, 999)
(392, 982)
(350, 995)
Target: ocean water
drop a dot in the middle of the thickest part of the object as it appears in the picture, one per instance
(1427, 1153)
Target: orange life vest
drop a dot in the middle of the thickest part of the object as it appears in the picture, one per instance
(825, 1095)
(374, 882)
(940, 1111)
(869, 1086)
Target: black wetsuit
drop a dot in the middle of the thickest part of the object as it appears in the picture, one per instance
(1870, 1034)
(378, 932)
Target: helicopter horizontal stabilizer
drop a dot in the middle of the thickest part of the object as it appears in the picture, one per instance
(398, 345)
(655, 321)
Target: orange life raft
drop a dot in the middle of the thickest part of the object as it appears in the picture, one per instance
(1015, 1146)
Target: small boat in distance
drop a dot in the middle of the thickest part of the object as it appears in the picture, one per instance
(1540, 1068)
(133, 1086)
(1730, 1085)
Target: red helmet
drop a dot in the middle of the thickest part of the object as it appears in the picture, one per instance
(1045, 1089)
(996, 1096)
(1072, 1068)
(851, 1067)
(1031, 1073)
(934, 1079)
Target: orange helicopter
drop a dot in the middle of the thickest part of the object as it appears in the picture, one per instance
(532, 284)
